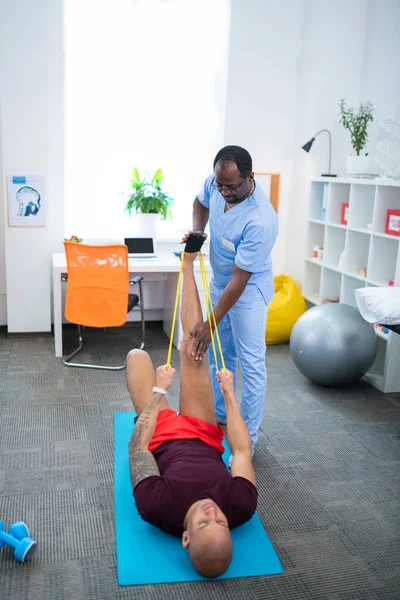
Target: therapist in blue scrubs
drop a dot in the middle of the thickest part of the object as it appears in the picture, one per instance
(243, 230)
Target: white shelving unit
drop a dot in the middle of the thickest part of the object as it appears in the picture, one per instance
(353, 250)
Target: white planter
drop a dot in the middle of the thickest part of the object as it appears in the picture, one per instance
(144, 225)
(357, 166)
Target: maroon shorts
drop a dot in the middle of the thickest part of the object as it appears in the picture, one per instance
(171, 426)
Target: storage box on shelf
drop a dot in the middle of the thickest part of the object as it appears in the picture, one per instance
(353, 255)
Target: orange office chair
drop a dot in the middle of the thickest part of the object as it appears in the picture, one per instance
(98, 291)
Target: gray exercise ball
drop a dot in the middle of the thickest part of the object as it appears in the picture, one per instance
(332, 345)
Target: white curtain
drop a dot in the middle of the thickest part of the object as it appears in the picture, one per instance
(145, 88)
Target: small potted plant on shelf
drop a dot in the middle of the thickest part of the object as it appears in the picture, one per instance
(356, 121)
(147, 201)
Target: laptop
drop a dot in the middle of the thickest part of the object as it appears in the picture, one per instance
(140, 248)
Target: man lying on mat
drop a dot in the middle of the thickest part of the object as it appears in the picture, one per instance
(180, 482)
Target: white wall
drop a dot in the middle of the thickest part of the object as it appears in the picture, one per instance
(31, 123)
(350, 50)
(380, 81)
(330, 68)
(3, 297)
(55, 122)
(265, 46)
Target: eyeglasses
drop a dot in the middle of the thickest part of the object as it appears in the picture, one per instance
(231, 190)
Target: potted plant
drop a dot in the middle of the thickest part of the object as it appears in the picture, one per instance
(147, 201)
(356, 121)
(73, 238)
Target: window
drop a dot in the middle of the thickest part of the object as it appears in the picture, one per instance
(145, 87)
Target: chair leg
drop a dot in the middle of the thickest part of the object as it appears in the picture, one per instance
(75, 352)
(87, 366)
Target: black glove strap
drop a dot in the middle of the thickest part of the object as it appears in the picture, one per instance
(195, 242)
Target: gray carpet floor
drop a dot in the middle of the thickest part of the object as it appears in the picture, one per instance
(327, 464)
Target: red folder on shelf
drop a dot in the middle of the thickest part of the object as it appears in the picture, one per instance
(345, 210)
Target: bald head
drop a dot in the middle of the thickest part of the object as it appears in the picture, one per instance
(208, 538)
(211, 553)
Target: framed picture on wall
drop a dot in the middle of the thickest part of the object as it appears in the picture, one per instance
(26, 201)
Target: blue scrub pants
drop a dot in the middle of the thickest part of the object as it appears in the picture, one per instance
(242, 334)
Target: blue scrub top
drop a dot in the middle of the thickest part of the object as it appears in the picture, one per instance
(245, 236)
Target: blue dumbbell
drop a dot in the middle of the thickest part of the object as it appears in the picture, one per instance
(18, 538)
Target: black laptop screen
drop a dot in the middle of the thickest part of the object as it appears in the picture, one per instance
(139, 245)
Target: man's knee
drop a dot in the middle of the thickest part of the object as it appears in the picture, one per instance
(136, 355)
(186, 353)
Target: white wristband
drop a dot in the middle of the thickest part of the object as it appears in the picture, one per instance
(158, 390)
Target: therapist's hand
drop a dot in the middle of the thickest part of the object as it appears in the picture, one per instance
(186, 237)
(202, 338)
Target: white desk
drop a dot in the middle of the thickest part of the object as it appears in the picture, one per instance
(166, 268)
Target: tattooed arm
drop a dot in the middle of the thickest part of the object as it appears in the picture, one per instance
(141, 462)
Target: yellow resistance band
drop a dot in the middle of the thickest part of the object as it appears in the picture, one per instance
(178, 288)
(208, 302)
(209, 314)
(209, 305)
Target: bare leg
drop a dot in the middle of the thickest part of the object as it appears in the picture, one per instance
(196, 395)
(140, 379)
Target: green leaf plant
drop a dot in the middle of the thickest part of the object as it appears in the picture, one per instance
(356, 121)
(147, 196)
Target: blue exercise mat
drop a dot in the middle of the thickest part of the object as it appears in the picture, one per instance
(146, 555)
